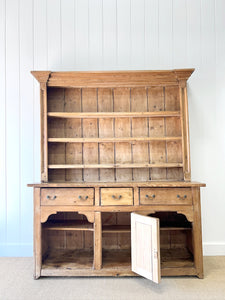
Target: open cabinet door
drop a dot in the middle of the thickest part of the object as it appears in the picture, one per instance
(145, 248)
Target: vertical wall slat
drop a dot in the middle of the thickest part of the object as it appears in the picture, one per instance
(151, 34)
(68, 34)
(54, 34)
(138, 34)
(3, 194)
(26, 116)
(220, 107)
(109, 36)
(82, 35)
(165, 34)
(180, 34)
(123, 34)
(95, 35)
(13, 121)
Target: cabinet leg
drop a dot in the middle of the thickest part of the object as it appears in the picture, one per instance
(97, 241)
(197, 233)
(37, 234)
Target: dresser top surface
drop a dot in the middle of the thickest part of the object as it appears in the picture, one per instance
(120, 184)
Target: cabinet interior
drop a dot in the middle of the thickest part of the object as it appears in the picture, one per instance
(114, 134)
(67, 240)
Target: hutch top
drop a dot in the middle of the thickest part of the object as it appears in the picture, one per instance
(114, 126)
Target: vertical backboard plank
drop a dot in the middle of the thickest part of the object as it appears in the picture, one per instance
(90, 130)
(73, 151)
(106, 129)
(122, 129)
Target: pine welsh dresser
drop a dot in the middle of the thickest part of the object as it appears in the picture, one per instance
(116, 196)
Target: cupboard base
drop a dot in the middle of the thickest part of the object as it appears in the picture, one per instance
(116, 263)
(107, 272)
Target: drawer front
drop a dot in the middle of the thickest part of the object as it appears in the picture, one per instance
(182, 196)
(116, 196)
(67, 196)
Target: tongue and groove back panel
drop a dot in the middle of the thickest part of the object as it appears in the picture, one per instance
(158, 139)
(115, 126)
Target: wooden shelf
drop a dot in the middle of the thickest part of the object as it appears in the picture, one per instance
(68, 259)
(116, 229)
(126, 228)
(118, 166)
(174, 228)
(176, 257)
(112, 140)
(79, 115)
(68, 225)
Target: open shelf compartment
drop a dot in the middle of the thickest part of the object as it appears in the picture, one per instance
(176, 247)
(67, 242)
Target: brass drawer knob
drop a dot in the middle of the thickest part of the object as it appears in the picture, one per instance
(182, 198)
(117, 198)
(51, 198)
(83, 198)
(150, 197)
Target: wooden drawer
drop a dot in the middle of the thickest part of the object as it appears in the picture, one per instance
(67, 196)
(165, 196)
(116, 196)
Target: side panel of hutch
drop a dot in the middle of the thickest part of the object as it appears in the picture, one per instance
(113, 143)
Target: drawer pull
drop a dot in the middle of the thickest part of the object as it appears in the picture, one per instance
(182, 198)
(83, 198)
(150, 197)
(51, 198)
(119, 197)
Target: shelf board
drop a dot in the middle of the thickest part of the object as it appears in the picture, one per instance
(116, 262)
(68, 259)
(68, 225)
(116, 229)
(176, 258)
(175, 228)
(91, 115)
(127, 228)
(112, 140)
(118, 166)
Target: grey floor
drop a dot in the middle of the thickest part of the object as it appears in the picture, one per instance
(16, 282)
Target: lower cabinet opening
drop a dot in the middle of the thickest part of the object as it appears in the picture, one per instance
(176, 246)
(116, 240)
(67, 242)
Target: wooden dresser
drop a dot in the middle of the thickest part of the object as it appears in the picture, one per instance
(116, 197)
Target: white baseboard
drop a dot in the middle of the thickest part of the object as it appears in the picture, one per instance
(23, 250)
(16, 250)
(213, 249)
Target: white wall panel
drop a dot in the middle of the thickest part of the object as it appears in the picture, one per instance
(26, 117)
(82, 35)
(95, 35)
(68, 34)
(13, 126)
(54, 34)
(165, 33)
(152, 34)
(112, 34)
(3, 195)
(137, 34)
(124, 34)
(109, 36)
